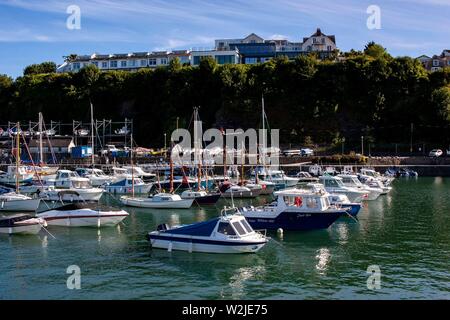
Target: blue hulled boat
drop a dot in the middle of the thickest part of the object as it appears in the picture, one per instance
(295, 210)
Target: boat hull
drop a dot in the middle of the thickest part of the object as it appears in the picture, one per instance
(147, 203)
(209, 199)
(28, 228)
(292, 221)
(140, 189)
(80, 219)
(19, 205)
(353, 208)
(203, 246)
(92, 195)
(241, 194)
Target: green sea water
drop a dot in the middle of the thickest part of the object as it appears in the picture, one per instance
(406, 234)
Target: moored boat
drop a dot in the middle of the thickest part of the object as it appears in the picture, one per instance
(18, 202)
(201, 197)
(225, 234)
(158, 201)
(294, 210)
(83, 215)
(21, 224)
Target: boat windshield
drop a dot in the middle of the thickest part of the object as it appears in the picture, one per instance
(239, 228)
(246, 226)
(334, 183)
(226, 228)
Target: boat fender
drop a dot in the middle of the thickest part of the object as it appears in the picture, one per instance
(280, 231)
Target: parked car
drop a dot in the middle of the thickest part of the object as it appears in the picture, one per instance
(435, 153)
(307, 152)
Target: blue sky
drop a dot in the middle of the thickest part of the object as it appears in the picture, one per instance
(32, 31)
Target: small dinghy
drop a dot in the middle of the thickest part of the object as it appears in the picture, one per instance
(229, 233)
(21, 224)
(83, 215)
(158, 201)
(17, 202)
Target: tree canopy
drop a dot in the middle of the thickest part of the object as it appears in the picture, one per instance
(368, 93)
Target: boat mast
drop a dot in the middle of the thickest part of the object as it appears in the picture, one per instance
(92, 136)
(242, 163)
(17, 156)
(41, 155)
(171, 173)
(197, 152)
(132, 166)
(224, 157)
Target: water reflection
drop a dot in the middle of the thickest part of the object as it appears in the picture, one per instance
(323, 260)
(241, 276)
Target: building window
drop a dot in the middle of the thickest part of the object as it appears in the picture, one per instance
(104, 64)
(152, 62)
(123, 64)
(323, 40)
(251, 60)
(143, 63)
(76, 66)
(309, 48)
(225, 59)
(132, 63)
(329, 48)
(164, 61)
(435, 63)
(113, 64)
(448, 62)
(314, 40)
(95, 63)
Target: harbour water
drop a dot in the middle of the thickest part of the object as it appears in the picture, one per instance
(406, 234)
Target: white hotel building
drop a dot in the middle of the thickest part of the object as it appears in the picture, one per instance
(249, 50)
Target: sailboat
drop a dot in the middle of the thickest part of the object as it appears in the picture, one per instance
(159, 200)
(200, 195)
(14, 201)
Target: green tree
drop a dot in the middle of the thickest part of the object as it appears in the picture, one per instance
(44, 67)
(375, 50)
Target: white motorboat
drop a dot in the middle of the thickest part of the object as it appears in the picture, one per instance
(375, 183)
(306, 177)
(16, 174)
(83, 215)
(335, 185)
(126, 184)
(225, 234)
(158, 201)
(276, 176)
(96, 176)
(21, 224)
(140, 173)
(353, 181)
(18, 202)
(67, 180)
(385, 180)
